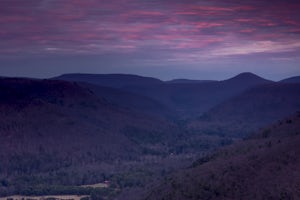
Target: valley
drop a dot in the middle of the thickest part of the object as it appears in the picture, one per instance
(130, 132)
(264, 166)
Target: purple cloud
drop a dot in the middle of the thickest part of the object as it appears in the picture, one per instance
(167, 31)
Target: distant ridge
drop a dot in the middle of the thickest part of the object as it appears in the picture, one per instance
(129, 100)
(188, 81)
(185, 97)
(247, 78)
(110, 80)
(125, 80)
(250, 110)
(294, 79)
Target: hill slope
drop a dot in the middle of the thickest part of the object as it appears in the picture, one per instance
(129, 100)
(264, 167)
(254, 108)
(187, 81)
(295, 79)
(56, 132)
(191, 99)
(187, 98)
(246, 79)
(110, 80)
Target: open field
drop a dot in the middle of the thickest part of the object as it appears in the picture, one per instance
(97, 185)
(50, 197)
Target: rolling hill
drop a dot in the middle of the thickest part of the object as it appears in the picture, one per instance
(252, 109)
(129, 100)
(187, 99)
(187, 81)
(57, 132)
(295, 79)
(266, 166)
(111, 80)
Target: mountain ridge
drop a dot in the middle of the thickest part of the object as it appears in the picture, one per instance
(186, 98)
(294, 79)
(109, 80)
(247, 78)
(250, 110)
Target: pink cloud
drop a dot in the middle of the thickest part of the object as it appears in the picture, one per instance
(245, 20)
(292, 22)
(202, 25)
(255, 47)
(16, 19)
(93, 26)
(248, 30)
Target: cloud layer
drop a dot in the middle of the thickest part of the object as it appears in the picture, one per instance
(159, 31)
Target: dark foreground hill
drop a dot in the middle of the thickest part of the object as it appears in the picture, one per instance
(267, 166)
(254, 108)
(59, 133)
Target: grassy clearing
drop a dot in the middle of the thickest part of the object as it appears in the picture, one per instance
(97, 185)
(52, 197)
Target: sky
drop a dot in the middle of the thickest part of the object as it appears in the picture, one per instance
(195, 39)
